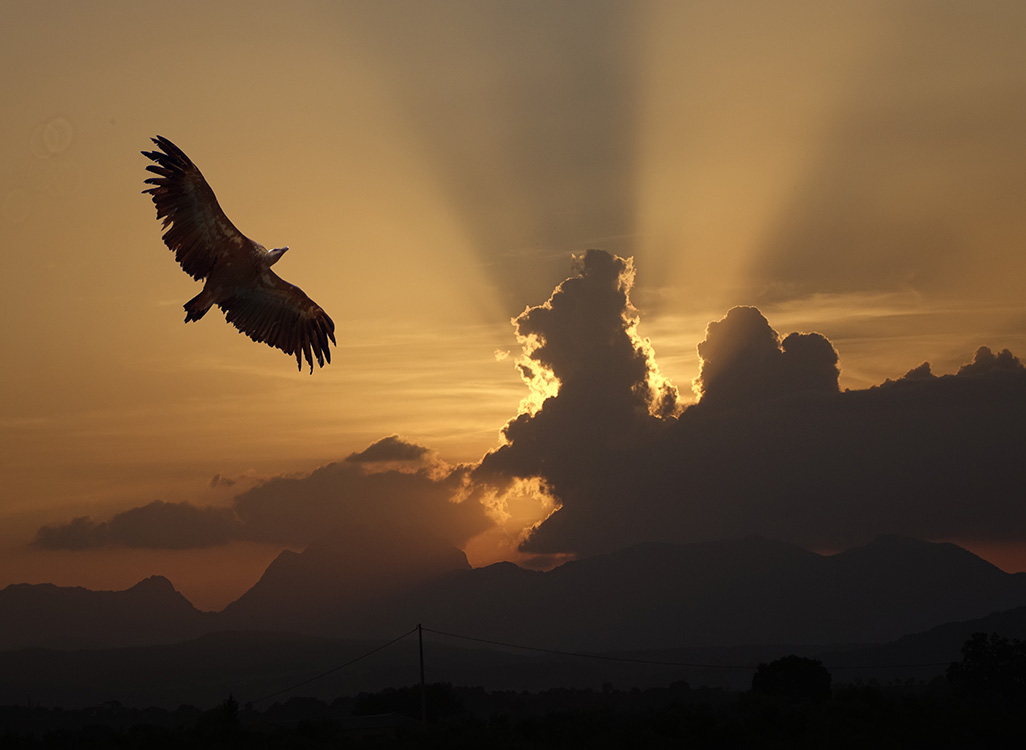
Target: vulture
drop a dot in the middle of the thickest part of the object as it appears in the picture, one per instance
(238, 274)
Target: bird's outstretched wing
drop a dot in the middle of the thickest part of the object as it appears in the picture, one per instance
(197, 231)
(281, 315)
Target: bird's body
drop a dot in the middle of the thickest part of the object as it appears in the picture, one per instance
(237, 270)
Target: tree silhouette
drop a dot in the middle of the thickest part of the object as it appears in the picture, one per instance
(794, 678)
(991, 665)
(230, 710)
(222, 722)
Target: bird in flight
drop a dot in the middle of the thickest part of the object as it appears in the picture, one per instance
(237, 270)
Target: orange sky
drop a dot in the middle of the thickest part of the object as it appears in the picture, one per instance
(856, 169)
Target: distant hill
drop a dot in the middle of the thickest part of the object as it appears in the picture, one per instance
(261, 667)
(730, 593)
(733, 593)
(938, 646)
(329, 587)
(152, 611)
(254, 666)
(652, 594)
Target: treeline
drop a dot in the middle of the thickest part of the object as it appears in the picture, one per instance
(980, 702)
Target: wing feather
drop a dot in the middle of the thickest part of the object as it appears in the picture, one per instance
(282, 316)
(197, 230)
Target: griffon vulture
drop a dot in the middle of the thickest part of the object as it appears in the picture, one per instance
(237, 270)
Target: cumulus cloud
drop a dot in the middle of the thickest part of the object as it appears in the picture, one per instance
(743, 360)
(595, 388)
(985, 361)
(583, 345)
(772, 447)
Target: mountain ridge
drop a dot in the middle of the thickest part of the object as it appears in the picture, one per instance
(652, 595)
(45, 615)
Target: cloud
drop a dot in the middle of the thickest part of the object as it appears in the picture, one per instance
(295, 510)
(389, 449)
(161, 525)
(985, 361)
(773, 447)
(78, 533)
(158, 525)
(594, 386)
(743, 360)
(583, 344)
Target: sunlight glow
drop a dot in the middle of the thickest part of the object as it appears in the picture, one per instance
(541, 382)
(517, 510)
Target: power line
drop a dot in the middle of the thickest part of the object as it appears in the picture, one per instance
(577, 654)
(340, 666)
(694, 665)
(603, 657)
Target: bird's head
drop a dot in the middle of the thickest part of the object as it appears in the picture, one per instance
(276, 254)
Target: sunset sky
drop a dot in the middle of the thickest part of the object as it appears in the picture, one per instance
(854, 169)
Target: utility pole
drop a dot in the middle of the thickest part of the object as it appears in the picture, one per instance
(423, 689)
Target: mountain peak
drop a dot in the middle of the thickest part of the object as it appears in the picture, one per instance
(894, 549)
(155, 584)
(342, 571)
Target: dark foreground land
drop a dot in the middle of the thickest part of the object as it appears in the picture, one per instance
(900, 715)
(979, 703)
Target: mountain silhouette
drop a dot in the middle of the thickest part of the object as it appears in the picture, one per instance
(729, 593)
(937, 646)
(742, 592)
(340, 577)
(44, 615)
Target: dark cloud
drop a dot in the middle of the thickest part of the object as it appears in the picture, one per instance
(158, 525)
(611, 401)
(985, 361)
(78, 533)
(610, 391)
(163, 525)
(389, 449)
(296, 510)
(772, 448)
(743, 360)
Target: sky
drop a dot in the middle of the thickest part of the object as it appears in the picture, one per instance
(852, 170)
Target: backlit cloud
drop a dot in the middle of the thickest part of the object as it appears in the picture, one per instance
(595, 389)
(773, 447)
(743, 360)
